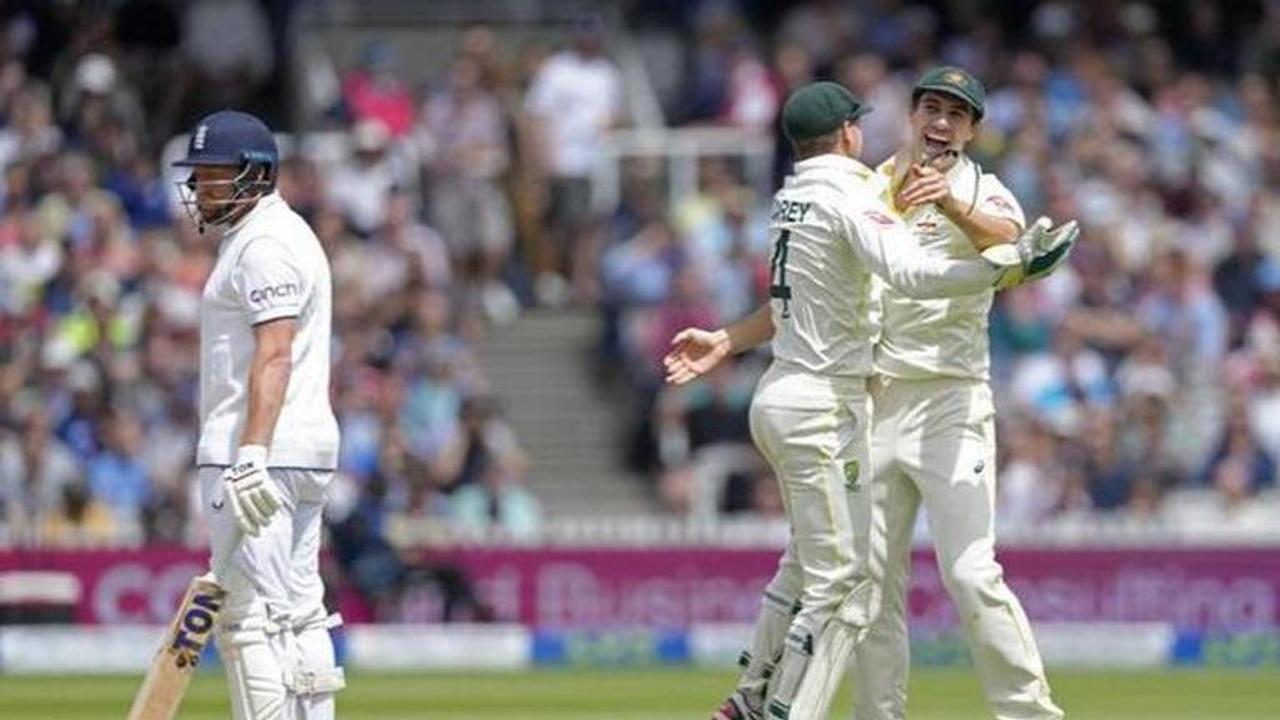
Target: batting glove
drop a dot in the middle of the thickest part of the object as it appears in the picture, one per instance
(249, 490)
(1035, 254)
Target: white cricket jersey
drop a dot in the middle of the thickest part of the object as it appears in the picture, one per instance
(946, 336)
(270, 266)
(831, 231)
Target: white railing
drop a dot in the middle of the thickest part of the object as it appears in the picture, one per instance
(681, 149)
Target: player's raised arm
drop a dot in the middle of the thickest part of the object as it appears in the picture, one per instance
(695, 352)
(886, 246)
(884, 243)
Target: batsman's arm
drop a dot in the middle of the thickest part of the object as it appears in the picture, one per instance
(269, 373)
(273, 288)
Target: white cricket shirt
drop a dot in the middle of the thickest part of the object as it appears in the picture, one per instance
(946, 336)
(270, 266)
(831, 231)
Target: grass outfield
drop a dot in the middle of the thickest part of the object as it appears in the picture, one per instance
(664, 695)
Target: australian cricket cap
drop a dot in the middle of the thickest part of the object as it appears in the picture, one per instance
(956, 82)
(818, 108)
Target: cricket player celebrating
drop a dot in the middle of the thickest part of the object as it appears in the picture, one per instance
(811, 410)
(268, 438)
(933, 424)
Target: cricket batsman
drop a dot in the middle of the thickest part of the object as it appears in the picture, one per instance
(933, 424)
(811, 410)
(268, 438)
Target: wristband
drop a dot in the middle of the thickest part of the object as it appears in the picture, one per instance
(255, 455)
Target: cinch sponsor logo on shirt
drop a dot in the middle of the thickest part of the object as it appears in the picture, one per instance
(275, 292)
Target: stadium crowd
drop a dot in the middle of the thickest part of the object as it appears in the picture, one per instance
(453, 198)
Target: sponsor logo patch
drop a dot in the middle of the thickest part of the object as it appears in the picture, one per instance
(999, 203)
(878, 217)
(274, 292)
(851, 472)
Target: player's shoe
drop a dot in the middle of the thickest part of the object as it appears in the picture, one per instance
(1036, 253)
(735, 707)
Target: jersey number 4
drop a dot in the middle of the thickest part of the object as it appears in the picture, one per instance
(778, 287)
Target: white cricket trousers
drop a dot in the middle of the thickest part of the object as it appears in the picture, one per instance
(933, 442)
(273, 627)
(813, 431)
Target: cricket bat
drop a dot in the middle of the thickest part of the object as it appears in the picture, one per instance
(161, 693)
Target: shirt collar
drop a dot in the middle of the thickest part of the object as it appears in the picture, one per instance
(831, 161)
(263, 203)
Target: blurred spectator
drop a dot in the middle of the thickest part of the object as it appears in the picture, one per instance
(481, 46)
(374, 91)
(1188, 317)
(35, 468)
(79, 521)
(1107, 471)
(359, 188)
(27, 263)
(29, 132)
(719, 415)
(883, 130)
(404, 254)
(1029, 492)
(498, 500)
(229, 48)
(676, 490)
(1238, 280)
(575, 96)
(117, 479)
(468, 130)
(1239, 448)
(143, 190)
(751, 99)
(95, 99)
(752, 493)
(483, 445)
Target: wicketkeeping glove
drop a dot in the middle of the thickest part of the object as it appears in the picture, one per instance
(249, 490)
(1036, 253)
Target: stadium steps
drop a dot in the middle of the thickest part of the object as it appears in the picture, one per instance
(541, 372)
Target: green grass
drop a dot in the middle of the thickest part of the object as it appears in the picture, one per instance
(674, 694)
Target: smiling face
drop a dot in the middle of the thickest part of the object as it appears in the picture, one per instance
(941, 122)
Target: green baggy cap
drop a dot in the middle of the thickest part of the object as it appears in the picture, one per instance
(956, 82)
(818, 108)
